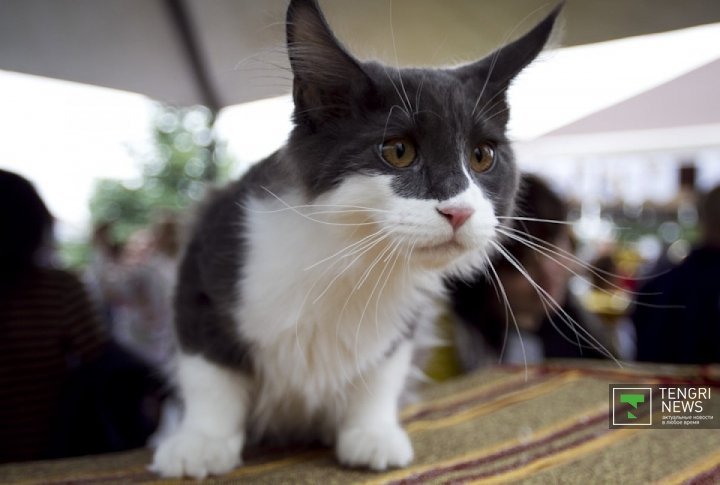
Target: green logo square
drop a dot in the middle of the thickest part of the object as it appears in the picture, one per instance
(631, 406)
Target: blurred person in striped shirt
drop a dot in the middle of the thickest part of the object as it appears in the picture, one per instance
(56, 360)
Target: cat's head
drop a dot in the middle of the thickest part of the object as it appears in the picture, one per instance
(419, 154)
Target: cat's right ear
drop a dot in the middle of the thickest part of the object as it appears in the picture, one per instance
(498, 69)
(326, 78)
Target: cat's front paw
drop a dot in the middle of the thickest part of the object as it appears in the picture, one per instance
(376, 447)
(197, 455)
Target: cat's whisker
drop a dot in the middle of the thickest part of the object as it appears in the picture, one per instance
(347, 302)
(583, 333)
(405, 94)
(572, 257)
(485, 84)
(397, 253)
(554, 252)
(508, 307)
(262, 56)
(545, 300)
(550, 253)
(365, 274)
(338, 328)
(269, 74)
(483, 110)
(498, 95)
(305, 216)
(489, 107)
(440, 45)
(496, 54)
(564, 318)
(387, 120)
(299, 313)
(347, 378)
(418, 92)
(397, 63)
(381, 235)
(534, 219)
(495, 57)
(369, 269)
(318, 109)
(343, 211)
(338, 224)
(392, 248)
(368, 248)
(387, 258)
(497, 113)
(436, 115)
(274, 68)
(349, 249)
(494, 282)
(409, 256)
(364, 248)
(404, 108)
(350, 208)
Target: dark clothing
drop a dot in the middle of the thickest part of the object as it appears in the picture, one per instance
(481, 335)
(109, 405)
(47, 328)
(563, 341)
(65, 389)
(677, 314)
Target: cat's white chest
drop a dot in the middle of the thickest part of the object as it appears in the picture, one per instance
(320, 309)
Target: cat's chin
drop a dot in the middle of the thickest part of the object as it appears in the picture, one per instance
(442, 254)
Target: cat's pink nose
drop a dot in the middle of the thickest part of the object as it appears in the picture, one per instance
(456, 215)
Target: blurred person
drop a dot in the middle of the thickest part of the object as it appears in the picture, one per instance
(102, 275)
(483, 324)
(677, 313)
(608, 299)
(47, 322)
(64, 389)
(145, 317)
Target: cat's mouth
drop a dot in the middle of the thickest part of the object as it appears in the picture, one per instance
(450, 247)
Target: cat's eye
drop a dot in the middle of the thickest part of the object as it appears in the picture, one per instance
(398, 152)
(482, 158)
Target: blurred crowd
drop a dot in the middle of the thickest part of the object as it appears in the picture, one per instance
(82, 355)
(132, 286)
(541, 301)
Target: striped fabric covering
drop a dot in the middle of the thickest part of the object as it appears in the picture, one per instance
(505, 425)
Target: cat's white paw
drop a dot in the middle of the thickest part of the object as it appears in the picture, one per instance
(376, 447)
(197, 455)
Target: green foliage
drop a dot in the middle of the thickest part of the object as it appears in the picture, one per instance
(74, 254)
(177, 168)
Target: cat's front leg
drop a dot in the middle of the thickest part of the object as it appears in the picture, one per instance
(370, 433)
(211, 435)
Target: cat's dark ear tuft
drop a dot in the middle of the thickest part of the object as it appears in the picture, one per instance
(325, 75)
(500, 67)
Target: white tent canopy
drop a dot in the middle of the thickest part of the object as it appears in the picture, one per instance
(222, 52)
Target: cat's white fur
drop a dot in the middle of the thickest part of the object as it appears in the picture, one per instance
(321, 341)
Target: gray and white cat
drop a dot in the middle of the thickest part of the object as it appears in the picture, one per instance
(301, 289)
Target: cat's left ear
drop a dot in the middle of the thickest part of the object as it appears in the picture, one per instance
(500, 67)
(326, 78)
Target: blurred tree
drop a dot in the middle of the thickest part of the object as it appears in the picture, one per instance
(178, 166)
